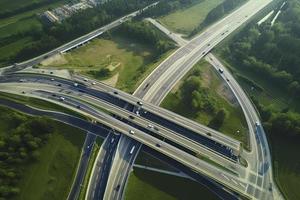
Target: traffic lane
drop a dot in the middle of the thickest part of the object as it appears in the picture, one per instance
(122, 103)
(167, 114)
(80, 174)
(103, 172)
(75, 103)
(128, 157)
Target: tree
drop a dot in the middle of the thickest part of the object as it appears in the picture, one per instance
(218, 120)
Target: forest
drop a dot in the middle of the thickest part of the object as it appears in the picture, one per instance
(19, 146)
(273, 53)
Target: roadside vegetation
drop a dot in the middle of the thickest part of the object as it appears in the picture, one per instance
(38, 156)
(144, 184)
(122, 58)
(265, 60)
(30, 37)
(203, 97)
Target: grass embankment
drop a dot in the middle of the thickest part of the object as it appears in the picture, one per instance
(149, 185)
(20, 22)
(148, 160)
(50, 176)
(127, 61)
(184, 21)
(216, 92)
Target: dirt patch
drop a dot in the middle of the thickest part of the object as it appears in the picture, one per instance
(206, 77)
(113, 66)
(112, 81)
(224, 91)
(57, 59)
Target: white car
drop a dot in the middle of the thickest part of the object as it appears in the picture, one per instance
(131, 132)
(93, 83)
(150, 126)
(75, 84)
(85, 79)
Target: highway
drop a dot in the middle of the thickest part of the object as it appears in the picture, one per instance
(88, 145)
(157, 85)
(167, 128)
(72, 44)
(259, 158)
(101, 168)
(165, 116)
(231, 181)
(257, 185)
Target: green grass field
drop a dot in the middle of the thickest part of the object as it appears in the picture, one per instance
(20, 22)
(187, 19)
(149, 185)
(127, 60)
(210, 79)
(286, 165)
(8, 5)
(51, 176)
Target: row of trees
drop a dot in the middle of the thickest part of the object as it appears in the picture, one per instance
(166, 6)
(192, 93)
(19, 146)
(27, 7)
(217, 13)
(273, 53)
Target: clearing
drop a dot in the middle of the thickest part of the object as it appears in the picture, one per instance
(185, 20)
(144, 184)
(119, 61)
